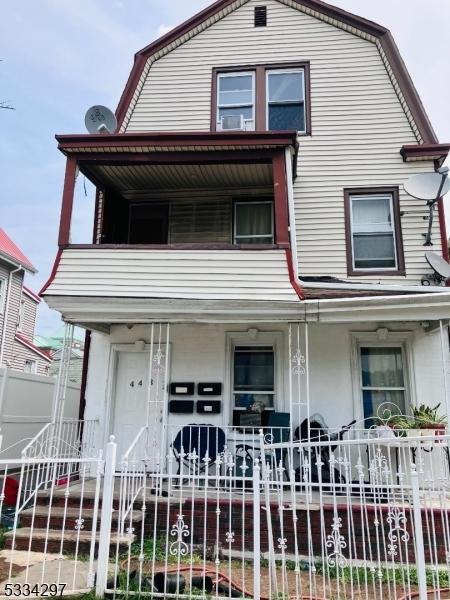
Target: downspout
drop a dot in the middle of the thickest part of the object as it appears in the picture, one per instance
(5, 320)
(290, 197)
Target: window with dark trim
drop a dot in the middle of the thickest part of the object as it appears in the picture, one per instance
(271, 97)
(373, 231)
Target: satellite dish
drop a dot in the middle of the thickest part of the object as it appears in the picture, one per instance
(440, 267)
(428, 186)
(99, 119)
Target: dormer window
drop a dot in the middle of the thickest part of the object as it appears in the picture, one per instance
(262, 98)
(236, 101)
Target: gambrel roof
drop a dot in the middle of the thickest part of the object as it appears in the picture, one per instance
(336, 16)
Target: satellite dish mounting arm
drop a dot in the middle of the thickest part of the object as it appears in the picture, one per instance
(444, 173)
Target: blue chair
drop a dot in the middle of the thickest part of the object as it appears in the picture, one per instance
(277, 432)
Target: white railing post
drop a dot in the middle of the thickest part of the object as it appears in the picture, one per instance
(418, 534)
(256, 530)
(106, 518)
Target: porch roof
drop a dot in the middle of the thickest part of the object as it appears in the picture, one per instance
(192, 141)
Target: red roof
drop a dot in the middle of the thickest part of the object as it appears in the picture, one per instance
(9, 249)
(26, 342)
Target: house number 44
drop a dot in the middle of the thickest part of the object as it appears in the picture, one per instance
(132, 384)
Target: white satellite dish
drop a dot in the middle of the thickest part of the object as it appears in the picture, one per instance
(428, 186)
(99, 119)
(440, 267)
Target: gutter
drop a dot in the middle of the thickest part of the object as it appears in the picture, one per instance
(6, 313)
(373, 287)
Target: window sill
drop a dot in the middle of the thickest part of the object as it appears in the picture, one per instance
(375, 273)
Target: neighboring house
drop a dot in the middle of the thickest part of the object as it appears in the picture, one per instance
(18, 306)
(255, 251)
(53, 345)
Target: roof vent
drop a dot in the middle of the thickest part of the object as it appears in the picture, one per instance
(260, 16)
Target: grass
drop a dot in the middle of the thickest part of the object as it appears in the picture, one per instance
(158, 550)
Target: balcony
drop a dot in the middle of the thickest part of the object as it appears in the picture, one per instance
(186, 217)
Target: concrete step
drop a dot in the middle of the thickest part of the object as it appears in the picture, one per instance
(56, 541)
(69, 518)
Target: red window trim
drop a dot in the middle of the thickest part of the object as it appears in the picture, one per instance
(394, 191)
(260, 91)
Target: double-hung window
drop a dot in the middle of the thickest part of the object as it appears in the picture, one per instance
(285, 94)
(374, 232)
(253, 222)
(236, 100)
(253, 379)
(262, 97)
(383, 386)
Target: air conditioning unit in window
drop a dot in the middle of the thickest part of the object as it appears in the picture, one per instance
(232, 123)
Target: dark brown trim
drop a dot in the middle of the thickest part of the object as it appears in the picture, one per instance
(67, 201)
(53, 273)
(84, 372)
(400, 270)
(72, 142)
(189, 246)
(442, 225)
(280, 200)
(260, 91)
(182, 158)
(292, 278)
(381, 33)
(411, 152)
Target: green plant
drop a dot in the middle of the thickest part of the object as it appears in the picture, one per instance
(427, 415)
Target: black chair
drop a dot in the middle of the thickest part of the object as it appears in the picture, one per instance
(199, 440)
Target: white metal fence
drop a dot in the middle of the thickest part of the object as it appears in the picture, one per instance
(345, 519)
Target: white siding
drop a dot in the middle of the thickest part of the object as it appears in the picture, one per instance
(199, 274)
(358, 123)
(29, 317)
(21, 353)
(13, 312)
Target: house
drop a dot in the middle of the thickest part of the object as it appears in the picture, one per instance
(53, 345)
(251, 215)
(18, 306)
(255, 261)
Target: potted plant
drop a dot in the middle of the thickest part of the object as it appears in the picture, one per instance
(426, 418)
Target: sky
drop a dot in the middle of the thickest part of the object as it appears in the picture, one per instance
(59, 57)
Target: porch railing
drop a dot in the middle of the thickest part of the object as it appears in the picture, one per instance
(62, 443)
(367, 519)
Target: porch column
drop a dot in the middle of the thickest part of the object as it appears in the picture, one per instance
(299, 395)
(59, 398)
(67, 202)
(280, 200)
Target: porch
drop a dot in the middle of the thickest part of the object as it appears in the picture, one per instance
(366, 532)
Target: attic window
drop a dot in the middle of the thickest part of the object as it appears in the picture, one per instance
(260, 16)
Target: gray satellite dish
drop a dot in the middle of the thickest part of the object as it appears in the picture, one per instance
(429, 187)
(100, 119)
(440, 267)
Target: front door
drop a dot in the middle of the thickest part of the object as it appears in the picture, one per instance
(135, 405)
